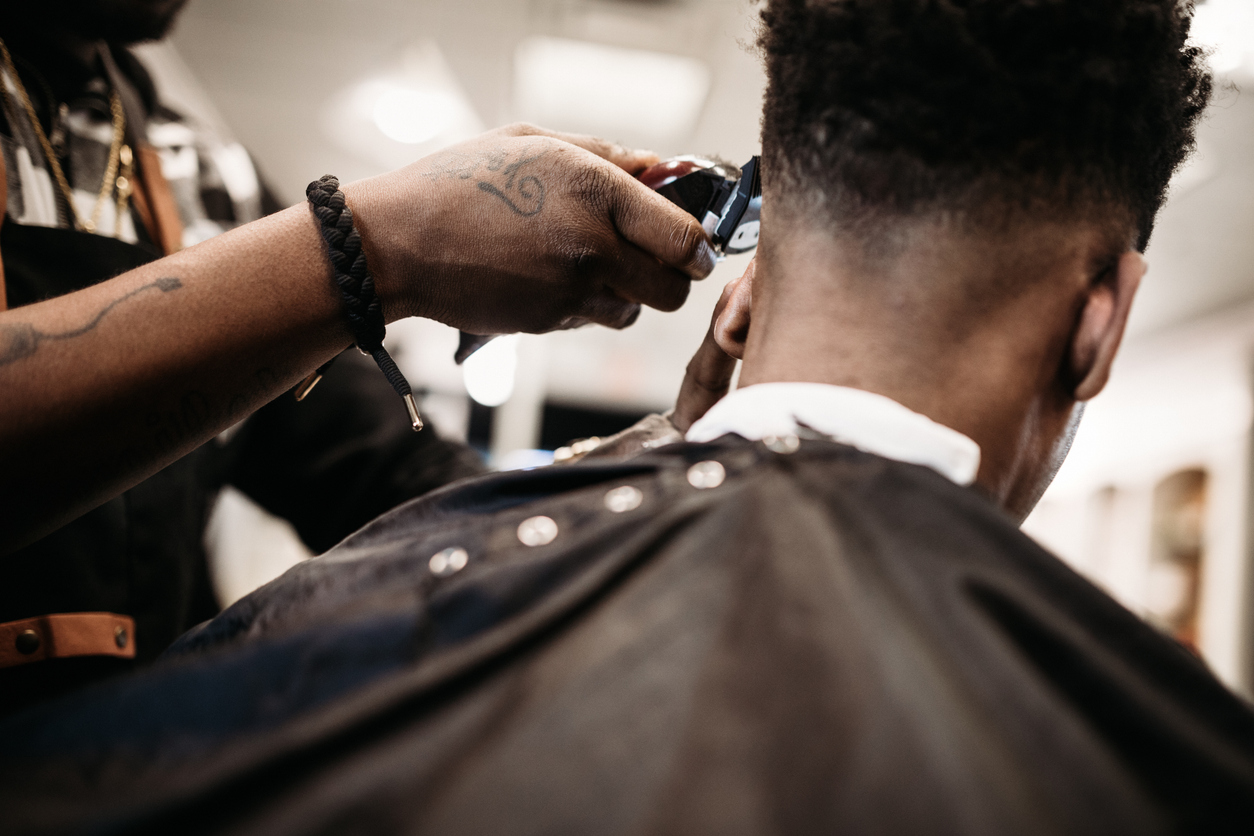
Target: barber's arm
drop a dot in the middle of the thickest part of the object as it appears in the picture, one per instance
(336, 460)
(515, 230)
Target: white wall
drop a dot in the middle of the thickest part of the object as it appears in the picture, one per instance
(1178, 398)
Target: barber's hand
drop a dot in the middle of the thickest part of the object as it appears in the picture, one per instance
(523, 229)
(710, 370)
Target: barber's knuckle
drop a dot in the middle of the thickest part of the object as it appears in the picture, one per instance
(585, 263)
(688, 237)
(602, 147)
(613, 311)
(520, 129)
(533, 322)
(675, 294)
(572, 265)
(591, 183)
(552, 310)
(628, 316)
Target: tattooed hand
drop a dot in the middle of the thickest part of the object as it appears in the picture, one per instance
(498, 175)
(526, 230)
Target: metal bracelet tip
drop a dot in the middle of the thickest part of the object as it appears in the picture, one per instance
(307, 385)
(414, 418)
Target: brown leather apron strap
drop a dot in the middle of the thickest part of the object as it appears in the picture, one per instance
(4, 208)
(62, 635)
(153, 199)
(155, 202)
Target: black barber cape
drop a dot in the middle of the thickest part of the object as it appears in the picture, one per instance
(328, 465)
(825, 642)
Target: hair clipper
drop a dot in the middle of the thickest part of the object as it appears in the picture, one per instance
(726, 200)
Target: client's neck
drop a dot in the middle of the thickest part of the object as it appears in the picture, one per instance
(909, 328)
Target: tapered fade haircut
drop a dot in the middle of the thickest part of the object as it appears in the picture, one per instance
(882, 109)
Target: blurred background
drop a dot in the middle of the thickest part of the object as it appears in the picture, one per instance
(1154, 503)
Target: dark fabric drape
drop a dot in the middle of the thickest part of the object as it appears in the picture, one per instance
(827, 642)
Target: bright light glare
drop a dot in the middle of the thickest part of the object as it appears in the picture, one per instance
(489, 372)
(413, 116)
(412, 107)
(524, 459)
(1227, 27)
(611, 91)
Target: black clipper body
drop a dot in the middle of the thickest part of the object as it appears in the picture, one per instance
(726, 200)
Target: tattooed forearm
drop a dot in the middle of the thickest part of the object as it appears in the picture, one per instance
(196, 415)
(494, 174)
(21, 340)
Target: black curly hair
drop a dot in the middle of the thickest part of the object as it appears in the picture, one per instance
(891, 108)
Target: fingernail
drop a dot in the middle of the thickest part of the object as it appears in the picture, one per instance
(706, 258)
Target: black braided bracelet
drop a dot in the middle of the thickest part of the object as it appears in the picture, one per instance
(362, 307)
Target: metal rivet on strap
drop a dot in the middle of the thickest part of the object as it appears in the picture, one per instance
(537, 531)
(625, 498)
(448, 562)
(120, 638)
(782, 443)
(27, 642)
(706, 474)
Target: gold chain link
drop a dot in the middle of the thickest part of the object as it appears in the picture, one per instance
(111, 178)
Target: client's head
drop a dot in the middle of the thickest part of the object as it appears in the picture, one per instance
(955, 196)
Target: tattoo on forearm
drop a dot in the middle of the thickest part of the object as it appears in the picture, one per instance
(197, 415)
(496, 175)
(21, 340)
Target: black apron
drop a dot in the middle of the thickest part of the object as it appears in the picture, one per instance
(139, 554)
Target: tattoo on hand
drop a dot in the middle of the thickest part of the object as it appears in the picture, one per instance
(494, 174)
(527, 188)
(20, 341)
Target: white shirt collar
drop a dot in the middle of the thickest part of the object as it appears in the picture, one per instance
(870, 422)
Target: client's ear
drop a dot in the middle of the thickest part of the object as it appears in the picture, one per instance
(731, 326)
(1101, 324)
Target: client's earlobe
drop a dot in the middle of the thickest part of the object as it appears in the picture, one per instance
(731, 325)
(1101, 325)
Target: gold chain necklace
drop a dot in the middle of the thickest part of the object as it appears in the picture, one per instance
(119, 154)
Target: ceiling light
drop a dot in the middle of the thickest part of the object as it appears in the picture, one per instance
(624, 94)
(413, 116)
(392, 119)
(489, 372)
